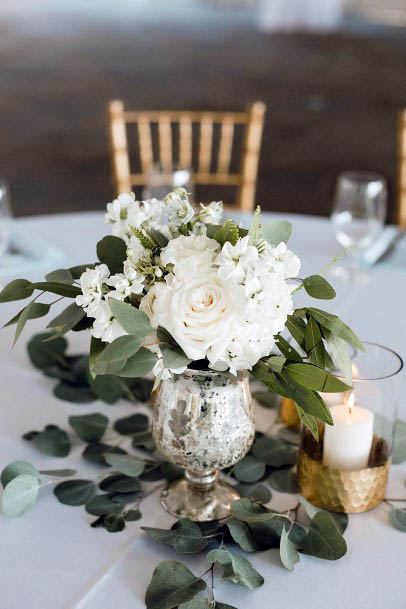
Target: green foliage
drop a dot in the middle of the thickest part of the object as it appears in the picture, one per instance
(95, 453)
(236, 568)
(277, 231)
(60, 276)
(324, 538)
(399, 446)
(398, 518)
(67, 320)
(89, 427)
(312, 377)
(115, 355)
(18, 289)
(335, 326)
(171, 585)
(131, 319)
(267, 399)
(288, 553)
(173, 356)
(273, 451)
(284, 481)
(75, 492)
(112, 251)
(61, 289)
(51, 441)
(125, 464)
(120, 483)
(318, 287)
(257, 492)
(143, 238)
(101, 505)
(227, 232)
(249, 469)
(31, 311)
(132, 424)
(186, 538)
(241, 534)
(20, 495)
(18, 468)
(297, 328)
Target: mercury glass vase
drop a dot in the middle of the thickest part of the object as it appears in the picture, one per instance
(204, 422)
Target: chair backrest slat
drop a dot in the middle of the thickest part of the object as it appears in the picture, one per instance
(401, 195)
(213, 167)
(226, 145)
(206, 139)
(145, 144)
(185, 142)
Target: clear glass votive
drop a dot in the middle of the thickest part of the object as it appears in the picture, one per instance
(347, 468)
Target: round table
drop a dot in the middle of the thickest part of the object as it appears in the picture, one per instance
(52, 559)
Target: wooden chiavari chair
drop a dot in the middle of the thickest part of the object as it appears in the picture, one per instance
(210, 167)
(401, 195)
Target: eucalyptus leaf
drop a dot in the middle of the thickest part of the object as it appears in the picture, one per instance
(132, 424)
(173, 357)
(284, 481)
(171, 471)
(18, 289)
(249, 469)
(76, 394)
(31, 311)
(120, 483)
(335, 326)
(324, 539)
(112, 251)
(399, 446)
(61, 289)
(186, 538)
(318, 287)
(95, 452)
(77, 271)
(125, 464)
(274, 452)
(89, 427)
(132, 515)
(20, 495)
(54, 442)
(171, 585)
(45, 354)
(131, 319)
(58, 473)
(267, 399)
(139, 364)
(288, 553)
(198, 602)
(116, 353)
(312, 377)
(108, 388)
(75, 492)
(398, 519)
(277, 231)
(18, 468)
(67, 320)
(256, 491)
(60, 276)
(236, 568)
(241, 534)
(102, 505)
(114, 523)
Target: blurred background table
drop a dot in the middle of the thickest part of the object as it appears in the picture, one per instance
(52, 559)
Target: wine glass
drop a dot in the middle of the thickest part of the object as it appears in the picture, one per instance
(161, 182)
(358, 216)
(5, 218)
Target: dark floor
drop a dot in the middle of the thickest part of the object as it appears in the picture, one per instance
(332, 99)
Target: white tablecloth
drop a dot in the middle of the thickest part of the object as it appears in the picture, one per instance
(52, 559)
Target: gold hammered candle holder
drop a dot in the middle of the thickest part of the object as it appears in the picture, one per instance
(337, 490)
(347, 468)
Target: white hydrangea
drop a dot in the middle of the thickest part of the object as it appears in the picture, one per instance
(178, 209)
(91, 284)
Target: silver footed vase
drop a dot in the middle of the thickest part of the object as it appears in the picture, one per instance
(203, 421)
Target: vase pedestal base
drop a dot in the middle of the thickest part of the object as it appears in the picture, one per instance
(186, 498)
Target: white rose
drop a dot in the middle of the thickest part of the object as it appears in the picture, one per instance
(201, 313)
(190, 255)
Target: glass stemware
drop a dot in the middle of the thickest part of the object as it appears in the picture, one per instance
(161, 182)
(5, 218)
(358, 216)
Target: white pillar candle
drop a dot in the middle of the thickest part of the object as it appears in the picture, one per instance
(347, 443)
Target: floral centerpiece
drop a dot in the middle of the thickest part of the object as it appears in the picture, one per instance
(175, 289)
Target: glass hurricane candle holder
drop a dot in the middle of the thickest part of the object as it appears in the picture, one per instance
(347, 468)
(203, 421)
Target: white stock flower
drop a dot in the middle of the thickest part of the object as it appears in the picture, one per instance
(148, 214)
(201, 313)
(105, 326)
(127, 283)
(190, 255)
(281, 260)
(211, 213)
(236, 260)
(91, 284)
(178, 209)
(135, 251)
(118, 211)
